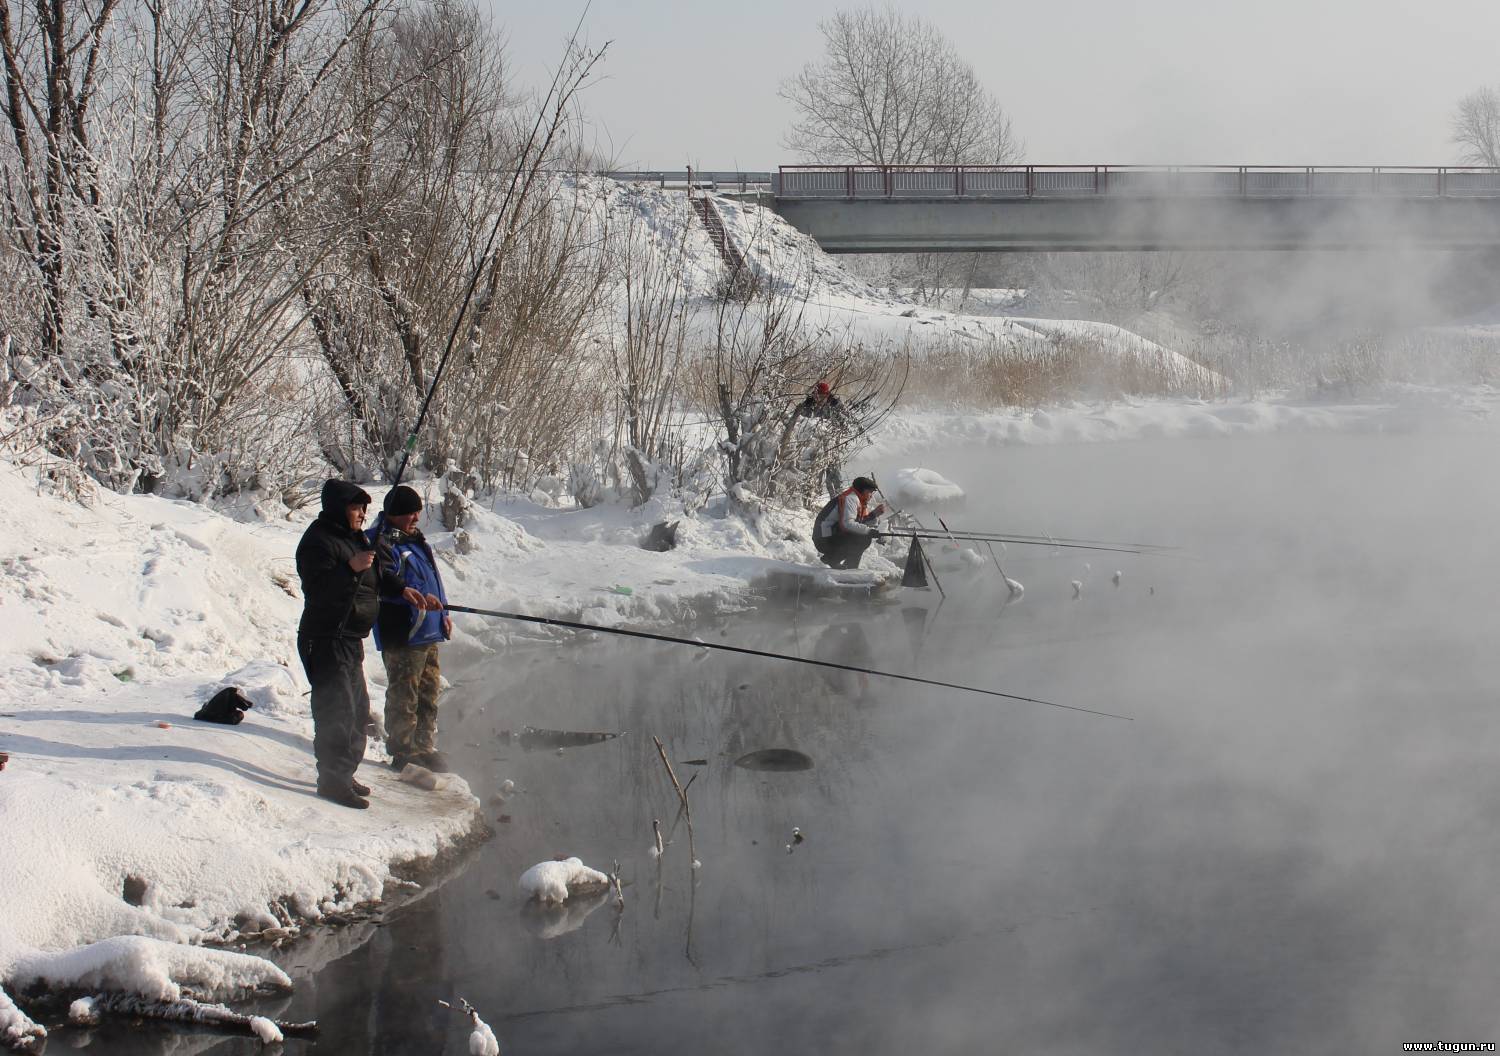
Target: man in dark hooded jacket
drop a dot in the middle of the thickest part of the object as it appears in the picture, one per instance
(341, 587)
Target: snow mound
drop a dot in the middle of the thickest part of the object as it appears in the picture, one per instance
(925, 488)
(153, 969)
(554, 881)
(272, 688)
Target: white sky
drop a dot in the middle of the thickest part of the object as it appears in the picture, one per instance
(1290, 82)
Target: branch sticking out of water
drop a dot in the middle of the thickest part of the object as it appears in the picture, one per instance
(482, 1039)
(682, 796)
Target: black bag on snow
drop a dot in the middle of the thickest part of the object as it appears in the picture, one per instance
(227, 707)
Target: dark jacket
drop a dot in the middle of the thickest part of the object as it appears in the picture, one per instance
(832, 407)
(338, 602)
(411, 561)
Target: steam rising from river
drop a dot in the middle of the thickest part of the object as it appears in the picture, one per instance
(1272, 855)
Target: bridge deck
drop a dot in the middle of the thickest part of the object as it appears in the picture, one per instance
(1115, 181)
(868, 209)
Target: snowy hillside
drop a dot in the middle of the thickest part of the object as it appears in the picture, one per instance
(850, 309)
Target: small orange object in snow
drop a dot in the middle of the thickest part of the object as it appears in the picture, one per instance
(4, 758)
(163, 725)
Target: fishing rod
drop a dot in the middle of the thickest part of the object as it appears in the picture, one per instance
(546, 621)
(966, 537)
(484, 258)
(1049, 540)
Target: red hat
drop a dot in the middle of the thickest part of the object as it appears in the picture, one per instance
(823, 389)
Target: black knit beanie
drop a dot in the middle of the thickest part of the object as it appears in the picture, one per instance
(402, 500)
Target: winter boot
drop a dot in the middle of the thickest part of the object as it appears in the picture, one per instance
(344, 797)
(433, 761)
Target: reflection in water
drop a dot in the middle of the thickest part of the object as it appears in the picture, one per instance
(532, 738)
(775, 759)
(549, 920)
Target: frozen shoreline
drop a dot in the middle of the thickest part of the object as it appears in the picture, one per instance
(125, 614)
(126, 818)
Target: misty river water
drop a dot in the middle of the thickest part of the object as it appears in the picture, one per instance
(1289, 849)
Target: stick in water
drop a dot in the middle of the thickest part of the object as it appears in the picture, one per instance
(682, 796)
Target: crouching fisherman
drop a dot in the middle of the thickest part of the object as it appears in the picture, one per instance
(341, 589)
(408, 633)
(845, 527)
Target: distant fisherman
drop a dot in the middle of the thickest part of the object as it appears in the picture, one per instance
(341, 588)
(821, 403)
(844, 528)
(408, 634)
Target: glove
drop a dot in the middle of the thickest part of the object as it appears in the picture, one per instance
(876, 533)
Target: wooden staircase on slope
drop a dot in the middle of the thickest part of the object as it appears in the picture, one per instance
(713, 223)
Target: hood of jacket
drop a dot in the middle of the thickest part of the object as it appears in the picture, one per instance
(338, 496)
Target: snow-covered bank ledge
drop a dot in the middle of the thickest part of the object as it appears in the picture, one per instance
(1394, 408)
(125, 818)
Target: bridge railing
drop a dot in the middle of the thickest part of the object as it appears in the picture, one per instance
(1124, 181)
(744, 182)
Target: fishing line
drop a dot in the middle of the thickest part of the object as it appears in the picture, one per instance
(745, 651)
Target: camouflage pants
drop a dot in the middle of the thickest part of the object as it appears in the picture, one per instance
(412, 687)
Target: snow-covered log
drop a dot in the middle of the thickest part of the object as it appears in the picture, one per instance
(90, 1010)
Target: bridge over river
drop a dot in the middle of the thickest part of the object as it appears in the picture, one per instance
(1027, 208)
(869, 209)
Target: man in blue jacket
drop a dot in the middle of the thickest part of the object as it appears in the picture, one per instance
(408, 635)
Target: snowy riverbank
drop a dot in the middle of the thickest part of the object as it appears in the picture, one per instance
(124, 817)
(1393, 408)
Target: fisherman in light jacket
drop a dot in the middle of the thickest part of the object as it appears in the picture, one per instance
(845, 527)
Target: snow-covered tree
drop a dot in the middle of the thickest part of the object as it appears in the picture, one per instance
(1476, 127)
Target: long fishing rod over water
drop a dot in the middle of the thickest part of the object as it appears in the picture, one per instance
(969, 537)
(546, 621)
(1054, 540)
